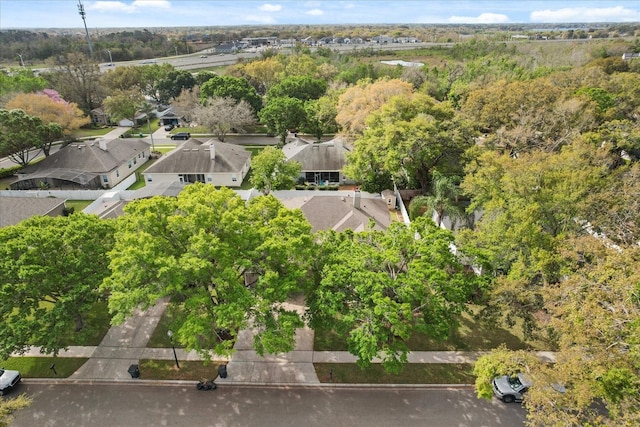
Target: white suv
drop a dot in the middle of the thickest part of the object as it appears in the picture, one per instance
(8, 379)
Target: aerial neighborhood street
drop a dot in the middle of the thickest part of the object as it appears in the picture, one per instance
(319, 213)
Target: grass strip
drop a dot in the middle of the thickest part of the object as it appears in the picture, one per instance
(412, 373)
(153, 369)
(40, 367)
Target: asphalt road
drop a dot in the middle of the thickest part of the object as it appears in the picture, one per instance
(142, 405)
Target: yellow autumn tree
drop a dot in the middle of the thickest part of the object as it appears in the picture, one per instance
(357, 102)
(51, 109)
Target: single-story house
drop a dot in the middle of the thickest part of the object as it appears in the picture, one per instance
(212, 162)
(16, 209)
(321, 162)
(339, 212)
(86, 165)
(168, 117)
(100, 117)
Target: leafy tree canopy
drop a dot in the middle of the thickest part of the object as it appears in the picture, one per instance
(21, 133)
(50, 272)
(233, 87)
(281, 115)
(377, 288)
(230, 264)
(272, 171)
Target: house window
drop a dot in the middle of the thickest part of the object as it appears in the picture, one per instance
(117, 173)
(149, 178)
(234, 178)
(129, 164)
(135, 160)
(105, 178)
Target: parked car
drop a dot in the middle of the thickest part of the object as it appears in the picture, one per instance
(169, 127)
(511, 389)
(8, 380)
(203, 56)
(181, 135)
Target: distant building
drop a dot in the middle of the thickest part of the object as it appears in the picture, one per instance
(633, 55)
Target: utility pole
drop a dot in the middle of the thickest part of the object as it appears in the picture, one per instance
(21, 61)
(83, 14)
(110, 59)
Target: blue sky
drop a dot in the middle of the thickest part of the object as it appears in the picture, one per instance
(177, 13)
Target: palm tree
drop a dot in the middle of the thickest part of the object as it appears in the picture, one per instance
(443, 198)
(147, 108)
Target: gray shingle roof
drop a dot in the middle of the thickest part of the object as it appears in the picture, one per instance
(89, 157)
(324, 156)
(194, 156)
(15, 209)
(338, 213)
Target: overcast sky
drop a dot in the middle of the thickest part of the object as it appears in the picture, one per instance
(177, 13)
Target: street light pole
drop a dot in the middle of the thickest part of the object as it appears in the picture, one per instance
(175, 356)
(110, 59)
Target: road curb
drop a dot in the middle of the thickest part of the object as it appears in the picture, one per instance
(222, 384)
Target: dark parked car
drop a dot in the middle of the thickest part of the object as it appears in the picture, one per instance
(181, 135)
(169, 127)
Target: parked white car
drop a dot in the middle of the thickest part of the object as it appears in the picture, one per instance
(8, 380)
(511, 389)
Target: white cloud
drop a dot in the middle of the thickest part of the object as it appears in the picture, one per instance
(483, 18)
(583, 14)
(314, 12)
(270, 7)
(156, 4)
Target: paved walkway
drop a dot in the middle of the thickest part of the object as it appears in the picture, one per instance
(124, 345)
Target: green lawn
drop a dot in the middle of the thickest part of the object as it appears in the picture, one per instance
(412, 373)
(84, 133)
(470, 336)
(97, 323)
(166, 370)
(40, 367)
(77, 205)
(170, 320)
(139, 177)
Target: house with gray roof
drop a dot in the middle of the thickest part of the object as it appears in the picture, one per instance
(16, 209)
(322, 162)
(85, 165)
(339, 212)
(211, 162)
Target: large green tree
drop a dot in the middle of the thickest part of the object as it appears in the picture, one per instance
(51, 269)
(228, 263)
(22, 135)
(377, 288)
(270, 170)
(410, 138)
(594, 311)
(280, 115)
(230, 87)
(303, 88)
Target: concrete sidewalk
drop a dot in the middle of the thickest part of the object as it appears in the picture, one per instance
(124, 345)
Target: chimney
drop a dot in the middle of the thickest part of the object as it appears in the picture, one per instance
(212, 152)
(102, 144)
(356, 199)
